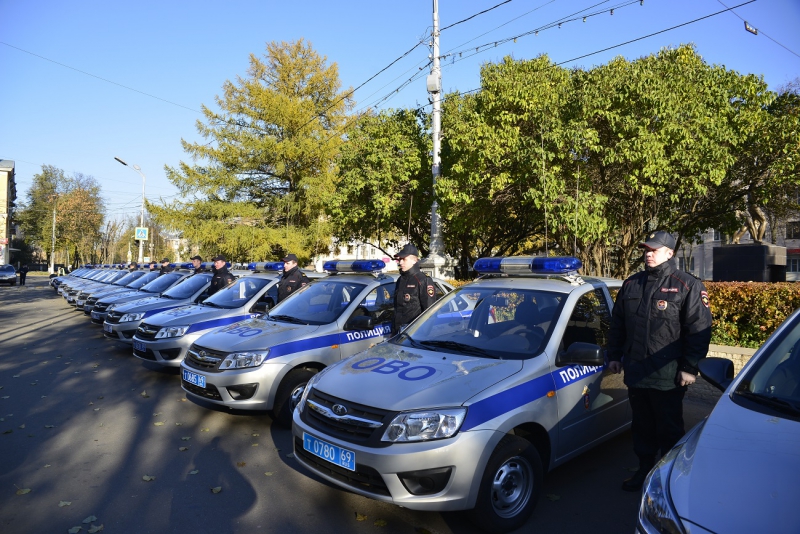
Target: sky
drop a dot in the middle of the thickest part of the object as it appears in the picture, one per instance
(86, 81)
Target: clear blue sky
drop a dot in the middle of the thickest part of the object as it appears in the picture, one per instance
(182, 52)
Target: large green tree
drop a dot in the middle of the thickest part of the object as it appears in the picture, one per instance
(258, 186)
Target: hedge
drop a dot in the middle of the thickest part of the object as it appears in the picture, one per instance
(745, 313)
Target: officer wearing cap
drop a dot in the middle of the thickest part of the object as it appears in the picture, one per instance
(133, 266)
(197, 261)
(293, 278)
(222, 277)
(660, 329)
(414, 291)
(152, 266)
(165, 267)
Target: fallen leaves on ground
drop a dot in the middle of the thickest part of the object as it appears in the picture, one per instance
(94, 529)
(186, 438)
(241, 464)
(62, 504)
(204, 430)
(194, 472)
(23, 491)
(360, 517)
(380, 523)
(182, 449)
(148, 478)
(89, 519)
(74, 530)
(268, 473)
(216, 490)
(157, 414)
(159, 423)
(553, 496)
(144, 394)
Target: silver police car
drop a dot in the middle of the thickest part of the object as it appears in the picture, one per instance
(151, 284)
(264, 363)
(498, 382)
(121, 322)
(737, 470)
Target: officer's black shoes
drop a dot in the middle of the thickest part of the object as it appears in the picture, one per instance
(636, 482)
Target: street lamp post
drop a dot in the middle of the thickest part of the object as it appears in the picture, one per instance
(141, 221)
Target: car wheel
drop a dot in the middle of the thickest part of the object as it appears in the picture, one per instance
(510, 486)
(288, 395)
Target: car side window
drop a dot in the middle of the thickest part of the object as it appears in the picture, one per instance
(589, 321)
(378, 304)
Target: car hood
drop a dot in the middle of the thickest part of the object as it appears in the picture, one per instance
(199, 317)
(741, 475)
(130, 294)
(409, 379)
(259, 334)
(152, 305)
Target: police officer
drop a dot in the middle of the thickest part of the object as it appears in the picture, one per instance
(414, 291)
(165, 267)
(222, 277)
(660, 329)
(23, 273)
(197, 261)
(293, 278)
(132, 267)
(152, 266)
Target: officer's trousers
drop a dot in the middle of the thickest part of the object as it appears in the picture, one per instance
(656, 421)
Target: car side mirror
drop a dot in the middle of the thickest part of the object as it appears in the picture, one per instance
(262, 306)
(581, 354)
(361, 322)
(717, 371)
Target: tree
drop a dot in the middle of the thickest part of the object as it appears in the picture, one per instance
(384, 180)
(269, 162)
(78, 209)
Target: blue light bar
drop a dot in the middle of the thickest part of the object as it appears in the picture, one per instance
(187, 266)
(528, 265)
(355, 266)
(276, 266)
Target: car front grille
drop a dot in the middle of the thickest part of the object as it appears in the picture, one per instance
(146, 332)
(113, 317)
(363, 478)
(146, 354)
(204, 359)
(209, 392)
(361, 424)
(101, 306)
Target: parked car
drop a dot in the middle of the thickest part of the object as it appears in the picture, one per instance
(8, 275)
(737, 470)
(500, 381)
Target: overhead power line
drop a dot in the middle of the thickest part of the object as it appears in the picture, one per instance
(761, 31)
(473, 16)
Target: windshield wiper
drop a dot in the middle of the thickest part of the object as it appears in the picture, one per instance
(771, 401)
(211, 304)
(286, 318)
(460, 347)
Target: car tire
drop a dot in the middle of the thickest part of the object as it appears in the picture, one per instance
(288, 394)
(510, 486)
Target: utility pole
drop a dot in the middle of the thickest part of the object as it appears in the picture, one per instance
(435, 264)
(53, 244)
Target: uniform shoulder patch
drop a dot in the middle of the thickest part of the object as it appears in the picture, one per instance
(704, 298)
(431, 291)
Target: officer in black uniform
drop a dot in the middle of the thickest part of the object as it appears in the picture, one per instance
(222, 277)
(152, 266)
(660, 329)
(293, 278)
(165, 267)
(414, 291)
(133, 266)
(197, 261)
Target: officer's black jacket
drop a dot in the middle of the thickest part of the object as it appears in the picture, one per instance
(165, 269)
(660, 325)
(291, 281)
(222, 277)
(414, 293)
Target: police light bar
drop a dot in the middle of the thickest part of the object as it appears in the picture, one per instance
(528, 265)
(265, 266)
(355, 266)
(187, 266)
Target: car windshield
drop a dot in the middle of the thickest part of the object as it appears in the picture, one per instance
(128, 278)
(237, 294)
(143, 280)
(7, 268)
(118, 275)
(188, 286)
(162, 283)
(774, 379)
(490, 322)
(320, 302)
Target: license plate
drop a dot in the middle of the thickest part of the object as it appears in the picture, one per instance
(332, 453)
(194, 378)
(95, 315)
(139, 346)
(107, 328)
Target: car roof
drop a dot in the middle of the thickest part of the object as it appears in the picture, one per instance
(551, 283)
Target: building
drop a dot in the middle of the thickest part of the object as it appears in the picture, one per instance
(8, 194)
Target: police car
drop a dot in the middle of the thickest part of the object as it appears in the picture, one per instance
(122, 321)
(165, 337)
(151, 284)
(262, 363)
(98, 278)
(87, 297)
(466, 408)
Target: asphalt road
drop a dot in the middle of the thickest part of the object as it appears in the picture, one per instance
(82, 422)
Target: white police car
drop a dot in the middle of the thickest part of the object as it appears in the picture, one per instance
(262, 363)
(122, 321)
(165, 337)
(149, 285)
(87, 297)
(498, 382)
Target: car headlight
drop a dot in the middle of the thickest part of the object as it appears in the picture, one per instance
(171, 331)
(111, 307)
(310, 384)
(242, 360)
(424, 426)
(128, 317)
